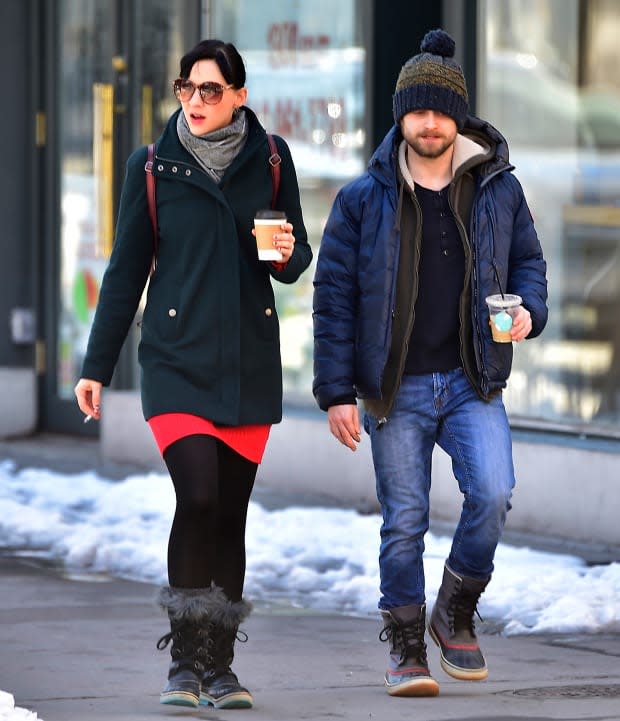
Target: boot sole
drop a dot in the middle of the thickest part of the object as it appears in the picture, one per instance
(463, 674)
(232, 700)
(426, 687)
(179, 698)
(458, 672)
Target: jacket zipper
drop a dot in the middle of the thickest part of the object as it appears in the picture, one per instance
(470, 272)
(411, 319)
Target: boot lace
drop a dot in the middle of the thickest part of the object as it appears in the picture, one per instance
(188, 642)
(165, 640)
(408, 640)
(461, 610)
(222, 642)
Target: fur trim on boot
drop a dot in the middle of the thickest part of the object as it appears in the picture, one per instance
(196, 604)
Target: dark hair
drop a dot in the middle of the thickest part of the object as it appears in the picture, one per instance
(224, 54)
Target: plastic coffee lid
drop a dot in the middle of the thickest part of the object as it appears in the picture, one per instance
(508, 301)
(270, 214)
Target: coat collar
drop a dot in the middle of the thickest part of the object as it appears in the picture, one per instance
(169, 147)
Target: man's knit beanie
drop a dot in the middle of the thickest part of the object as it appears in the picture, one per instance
(432, 80)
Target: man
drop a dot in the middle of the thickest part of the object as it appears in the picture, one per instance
(409, 253)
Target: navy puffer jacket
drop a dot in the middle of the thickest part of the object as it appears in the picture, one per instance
(357, 268)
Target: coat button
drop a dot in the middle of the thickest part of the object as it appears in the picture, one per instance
(268, 312)
(172, 312)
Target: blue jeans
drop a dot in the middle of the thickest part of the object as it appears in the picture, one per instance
(442, 409)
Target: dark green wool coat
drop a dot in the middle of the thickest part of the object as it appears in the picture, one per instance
(210, 340)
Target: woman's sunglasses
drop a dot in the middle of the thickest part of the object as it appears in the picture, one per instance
(210, 93)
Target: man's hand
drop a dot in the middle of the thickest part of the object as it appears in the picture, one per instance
(521, 324)
(344, 423)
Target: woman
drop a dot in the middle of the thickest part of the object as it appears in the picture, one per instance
(209, 351)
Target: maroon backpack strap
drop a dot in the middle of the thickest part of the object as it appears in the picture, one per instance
(274, 160)
(150, 196)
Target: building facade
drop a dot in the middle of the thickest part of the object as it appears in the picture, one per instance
(321, 74)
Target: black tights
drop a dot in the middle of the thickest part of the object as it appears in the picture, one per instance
(213, 484)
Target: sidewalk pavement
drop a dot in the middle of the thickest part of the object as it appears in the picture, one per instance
(84, 650)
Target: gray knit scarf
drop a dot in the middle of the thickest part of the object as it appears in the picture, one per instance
(216, 150)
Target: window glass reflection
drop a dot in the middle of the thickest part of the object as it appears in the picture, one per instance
(305, 66)
(549, 82)
(97, 117)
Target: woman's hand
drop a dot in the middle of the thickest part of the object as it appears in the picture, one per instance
(88, 394)
(284, 242)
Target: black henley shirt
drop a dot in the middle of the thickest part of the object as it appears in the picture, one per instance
(434, 340)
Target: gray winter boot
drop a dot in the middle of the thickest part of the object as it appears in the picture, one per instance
(452, 626)
(407, 673)
(220, 686)
(187, 609)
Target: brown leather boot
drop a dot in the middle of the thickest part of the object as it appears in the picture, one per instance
(452, 626)
(407, 673)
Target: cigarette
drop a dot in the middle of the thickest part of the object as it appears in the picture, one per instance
(88, 418)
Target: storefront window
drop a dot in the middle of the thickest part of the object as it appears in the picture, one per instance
(549, 82)
(109, 103)
(305, 65)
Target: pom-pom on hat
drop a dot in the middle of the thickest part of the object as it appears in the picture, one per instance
(432, 80)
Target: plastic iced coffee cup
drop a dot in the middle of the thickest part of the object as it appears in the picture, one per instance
(267, 224)
(502, 309)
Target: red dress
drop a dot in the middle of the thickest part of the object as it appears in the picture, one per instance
(249, 441)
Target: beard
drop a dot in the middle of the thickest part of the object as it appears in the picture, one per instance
(426, 149)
